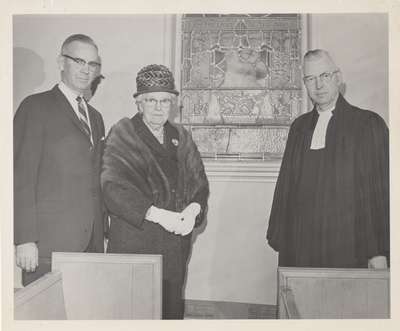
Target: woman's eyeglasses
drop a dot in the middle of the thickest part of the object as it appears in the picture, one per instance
(153, 102)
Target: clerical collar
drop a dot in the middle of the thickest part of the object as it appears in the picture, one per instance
(319, 134)
(326, 112)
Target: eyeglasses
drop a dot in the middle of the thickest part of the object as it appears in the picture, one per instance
(324, 77)
(153, 102)
(93, 66)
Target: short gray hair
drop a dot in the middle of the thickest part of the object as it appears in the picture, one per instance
(317, 54)
(78, 37)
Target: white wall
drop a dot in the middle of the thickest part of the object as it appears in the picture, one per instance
(359, 45)
(230, 259)
(126, 44)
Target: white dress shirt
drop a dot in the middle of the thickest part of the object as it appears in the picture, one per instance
(71, 97)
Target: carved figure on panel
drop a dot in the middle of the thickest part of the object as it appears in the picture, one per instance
(244, 68)
(214, 111)
(264, 108)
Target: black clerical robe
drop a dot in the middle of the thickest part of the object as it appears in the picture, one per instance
(331, 206)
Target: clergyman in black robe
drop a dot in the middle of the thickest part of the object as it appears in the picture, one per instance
(331, 201)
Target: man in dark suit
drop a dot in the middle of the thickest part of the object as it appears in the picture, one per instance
(58, 143)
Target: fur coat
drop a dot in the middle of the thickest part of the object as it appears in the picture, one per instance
(138, 172)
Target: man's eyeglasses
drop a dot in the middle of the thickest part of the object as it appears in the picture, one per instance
(153, 102)
(324, 77)
(93, 66)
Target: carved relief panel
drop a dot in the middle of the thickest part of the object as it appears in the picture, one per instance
(241, 82)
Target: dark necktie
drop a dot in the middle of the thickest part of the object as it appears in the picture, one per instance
(83, 117)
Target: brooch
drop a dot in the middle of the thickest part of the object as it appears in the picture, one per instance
(175, 142)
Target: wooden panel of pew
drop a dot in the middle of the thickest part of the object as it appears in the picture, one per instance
(42, 299)
(110, 286)
(333, 293)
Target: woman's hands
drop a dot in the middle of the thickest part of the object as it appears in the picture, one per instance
(178, 223)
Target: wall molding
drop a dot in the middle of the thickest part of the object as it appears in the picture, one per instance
(242, 171)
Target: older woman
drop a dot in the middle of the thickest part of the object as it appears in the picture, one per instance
(154, 184)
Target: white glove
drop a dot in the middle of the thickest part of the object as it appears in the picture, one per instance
(27, 256)
(188, 218)
(377, 262)
(169, 220)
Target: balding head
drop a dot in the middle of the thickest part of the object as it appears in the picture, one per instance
(316, 54)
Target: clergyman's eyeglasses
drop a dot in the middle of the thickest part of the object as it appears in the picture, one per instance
(324, 77)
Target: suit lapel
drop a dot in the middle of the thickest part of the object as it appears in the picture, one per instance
(65, 106)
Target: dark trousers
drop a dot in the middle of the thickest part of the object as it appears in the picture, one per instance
(173, 304)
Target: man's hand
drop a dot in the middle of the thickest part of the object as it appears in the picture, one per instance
(27, 256)
(377, 262)
(169, 220)
(188, 218)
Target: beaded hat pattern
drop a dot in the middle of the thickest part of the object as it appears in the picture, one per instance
(155, 78)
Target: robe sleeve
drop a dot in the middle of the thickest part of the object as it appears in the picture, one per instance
(281, 202)
(373, 189)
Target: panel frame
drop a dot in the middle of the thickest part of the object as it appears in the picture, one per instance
(61, 258)
(176, 64)
(25, 295)
(222, 170)
(287, 307)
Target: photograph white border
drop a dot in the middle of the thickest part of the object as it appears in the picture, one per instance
(7, 8)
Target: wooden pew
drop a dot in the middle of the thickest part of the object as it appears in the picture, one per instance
(110, 286)
(333, 293)
(42, 299)
(94, 286)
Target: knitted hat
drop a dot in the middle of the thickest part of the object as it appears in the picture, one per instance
(155, 78)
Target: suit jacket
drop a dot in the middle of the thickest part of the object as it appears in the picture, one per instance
(57, 194)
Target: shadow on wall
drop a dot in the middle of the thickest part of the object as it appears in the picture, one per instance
(28, 73)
